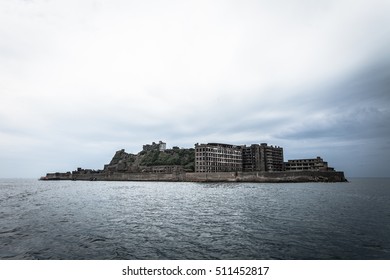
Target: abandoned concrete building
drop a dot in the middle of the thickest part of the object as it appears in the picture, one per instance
(262, 158)
(311, 164)
(217, 157)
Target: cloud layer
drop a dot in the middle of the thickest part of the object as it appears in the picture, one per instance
(80, 80)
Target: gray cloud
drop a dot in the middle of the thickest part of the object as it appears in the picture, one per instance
(356, 107)
(81, 80)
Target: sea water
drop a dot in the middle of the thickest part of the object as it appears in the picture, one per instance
(169, 220)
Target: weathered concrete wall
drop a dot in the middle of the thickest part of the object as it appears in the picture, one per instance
(299, 176)
(57, 176)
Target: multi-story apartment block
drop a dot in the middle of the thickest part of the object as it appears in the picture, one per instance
(311, 164)
(216, 157)
(262, 158)
(251, 158)
(273, 157)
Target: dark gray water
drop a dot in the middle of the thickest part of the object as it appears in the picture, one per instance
(145, 220)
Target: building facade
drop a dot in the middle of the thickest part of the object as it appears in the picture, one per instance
(217, 157)
(262, 158)
(251, 158)
(311, 164)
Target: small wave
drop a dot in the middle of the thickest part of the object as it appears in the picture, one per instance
(13, 231)
(94, 239)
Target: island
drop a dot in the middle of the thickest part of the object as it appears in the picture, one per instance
(211, 162)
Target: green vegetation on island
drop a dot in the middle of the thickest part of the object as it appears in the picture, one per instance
(153, 160)
(175, 156)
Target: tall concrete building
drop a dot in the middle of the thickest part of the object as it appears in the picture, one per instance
(251, 158)
(262, 158)
(216, 157)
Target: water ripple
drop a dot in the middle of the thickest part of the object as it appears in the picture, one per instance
(143, 220)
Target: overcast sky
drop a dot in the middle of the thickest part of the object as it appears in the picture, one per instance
(82, 79)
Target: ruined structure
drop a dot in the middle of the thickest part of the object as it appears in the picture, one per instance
(312, 164)
(160, 146)
(212, 162)
(262, 158)
(216, 157)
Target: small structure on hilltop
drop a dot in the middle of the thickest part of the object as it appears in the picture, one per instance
(160, 146)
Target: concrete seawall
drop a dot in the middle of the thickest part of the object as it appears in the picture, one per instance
(263, 177)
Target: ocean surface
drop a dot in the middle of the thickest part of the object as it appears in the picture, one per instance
(164, 220)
